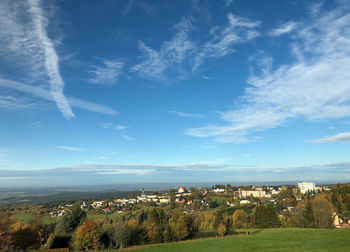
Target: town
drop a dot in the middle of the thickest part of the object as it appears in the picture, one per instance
(226, 195)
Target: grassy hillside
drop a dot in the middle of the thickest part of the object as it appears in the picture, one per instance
(264, 240)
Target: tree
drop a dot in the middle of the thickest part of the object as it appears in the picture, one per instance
(71, 221)
(308, 214)
(86, 236)
(179, 226)
(25, 236)
(265, 216)
(58, 241)
(222, 231)
(240, 219)
(6, 243)
(121, 235)
(322, 211)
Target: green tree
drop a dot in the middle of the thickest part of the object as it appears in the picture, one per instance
(71, 221)
(179, 225)
(266, 216)
(121, 235)
(308, 214)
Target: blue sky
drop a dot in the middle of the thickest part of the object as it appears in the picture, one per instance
(170, 91)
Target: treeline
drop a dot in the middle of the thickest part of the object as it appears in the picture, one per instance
(171, 223)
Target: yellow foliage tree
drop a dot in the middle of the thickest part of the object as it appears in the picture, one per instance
(240, 219)
(86, 236)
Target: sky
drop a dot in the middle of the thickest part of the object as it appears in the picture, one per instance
(131, 91)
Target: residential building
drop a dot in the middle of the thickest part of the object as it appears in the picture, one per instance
(306, 187)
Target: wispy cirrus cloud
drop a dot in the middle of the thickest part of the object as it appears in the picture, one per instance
(113, 126)
(69, 148)
(228, 3)
(104, 174)
(238, 30)
(26, 46)
(14, 103)
(284, 29)
(45, 94)
(189, 115)
(341, 137)
(23, 34)
(175, 56)
(315, 86)
(108, 73)
(169, 59)
(127, 138)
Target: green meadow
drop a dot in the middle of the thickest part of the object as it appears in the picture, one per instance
(283, 239)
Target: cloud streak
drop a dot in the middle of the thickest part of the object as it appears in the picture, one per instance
(108, 73)
(113, 126)
(167, 62)
(284, 29)
(341, 137)
(314, 87)
(69, 148)
(175, 56)
(23, 35)
(45, 94)
(188, 115)
(40, 23)
(238, 30)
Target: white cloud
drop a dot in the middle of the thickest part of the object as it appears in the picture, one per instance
(128, 7)
(190, 115)
(176, 56)
(113, 126)
(108, 73)
(69, 148)
(169, 59)
(13, 178)
(128, 138)
(341, 137)
(315, 87)
(284, 29)
(14, 103)
(228, 3)
(24, 42)
(238, 30)
(45, 94)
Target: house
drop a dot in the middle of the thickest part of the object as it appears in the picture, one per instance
(181, 189)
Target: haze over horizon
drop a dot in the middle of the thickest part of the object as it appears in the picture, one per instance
(95, 92)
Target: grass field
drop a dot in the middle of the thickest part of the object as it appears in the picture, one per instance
(263, 240)
(27, 218)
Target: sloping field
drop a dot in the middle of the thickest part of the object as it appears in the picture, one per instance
(264, 240)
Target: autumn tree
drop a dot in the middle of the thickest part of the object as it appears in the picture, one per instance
(322, 211)
(86, 236)
(222, 231)
(25, 236)
(179, 226)
(240, 219)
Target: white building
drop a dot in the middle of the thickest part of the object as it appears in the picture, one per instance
(306, 187)
(219, 190)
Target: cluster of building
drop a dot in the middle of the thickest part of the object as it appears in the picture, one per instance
(181, 196)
